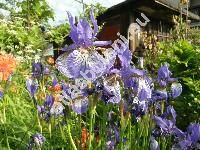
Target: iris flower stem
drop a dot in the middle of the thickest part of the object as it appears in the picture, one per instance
(121, 140)
(93, 101)
(130, 133)
(163, 145)
(39, 123)
(70, 137)
(92, 113)
(163, 107)
(121, 133)
(34, 101)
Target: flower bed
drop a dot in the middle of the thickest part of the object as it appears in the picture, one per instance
(97, 100)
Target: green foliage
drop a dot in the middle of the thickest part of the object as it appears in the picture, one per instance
(35, 11)
(31, 10)
(184, 60)
(58, 34)
(19, 119)
(180, 28)
(21, 40)
(21, 32)
(98, 10)
(194, 35)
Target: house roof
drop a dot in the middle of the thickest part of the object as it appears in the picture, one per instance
(175, 5)
(161, 9)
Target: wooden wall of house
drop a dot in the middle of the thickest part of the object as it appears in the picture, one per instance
(113, 25)
(110, 29)
(160, 28)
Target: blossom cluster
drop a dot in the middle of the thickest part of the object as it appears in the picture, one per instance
(8, 64)
(108, 75)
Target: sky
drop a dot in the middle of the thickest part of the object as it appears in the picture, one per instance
(61, 6)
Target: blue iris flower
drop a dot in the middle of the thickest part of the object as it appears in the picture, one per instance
(81, 58)
(31, 86)
(1, 94)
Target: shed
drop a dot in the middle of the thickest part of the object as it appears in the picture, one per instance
(160, 13)
(195, 8)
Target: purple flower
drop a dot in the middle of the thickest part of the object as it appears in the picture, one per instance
(192, 139)
(1, 94)
(130, 75)
(80, 106)
(32, 86)
(85, 64)
(164, 73)
(154, 144)
(162, 83)
(144, 90)
(41, 109)
(37, 140)
(49, 101)
(83, 35)
(164, 77)
(112, 91)
(166, 126)
(124, 55)
(159, 95)
(45, 111)
(83, 60)
(106, 96)
(122, 65)
(36, 69)
(170, 113)
(194, 131)
(144, 94)
(54, 82)
(110, 145)
(185, 144)
(176, 89)
(76, 98)
(46, 71)
(140, 108)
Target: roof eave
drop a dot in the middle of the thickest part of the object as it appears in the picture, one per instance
(176, 7)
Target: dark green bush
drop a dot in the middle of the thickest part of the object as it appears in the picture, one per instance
(184, 60)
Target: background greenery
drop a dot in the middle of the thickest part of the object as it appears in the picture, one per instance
(182, 53)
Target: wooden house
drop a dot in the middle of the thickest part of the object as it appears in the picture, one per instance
(159, 12)
(195, 8)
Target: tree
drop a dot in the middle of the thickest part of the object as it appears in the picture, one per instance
(21, 33)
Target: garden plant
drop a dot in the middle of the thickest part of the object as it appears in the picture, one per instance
(94, 97)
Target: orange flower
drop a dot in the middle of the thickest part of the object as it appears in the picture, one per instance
(7, 66)
(84, 138)
(56, 88)
(50, 60)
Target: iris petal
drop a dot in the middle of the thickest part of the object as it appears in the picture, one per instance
(176, 89)
(115, 91)
(80, 105)
(73, 33)
(94, 21)
(84, 33)
(89, 65)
